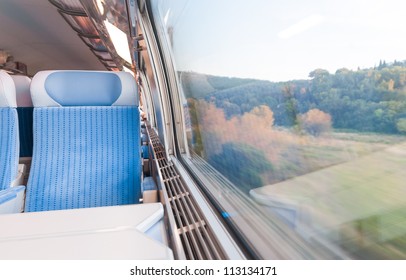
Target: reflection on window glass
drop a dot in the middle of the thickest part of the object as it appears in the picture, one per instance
(114, 15)
(115, 12)
(302, 106)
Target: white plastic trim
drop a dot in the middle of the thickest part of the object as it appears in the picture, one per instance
(22, 86)
(7, 91)
(39, 95)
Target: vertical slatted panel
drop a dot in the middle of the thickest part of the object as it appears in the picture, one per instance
(195, 233)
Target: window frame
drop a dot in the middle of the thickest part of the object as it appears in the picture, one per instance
(247, 239)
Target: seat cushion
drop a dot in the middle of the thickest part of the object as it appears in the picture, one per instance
(95, 158)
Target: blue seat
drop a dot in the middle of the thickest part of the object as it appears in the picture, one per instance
(145, 152)
(25, 114)
(86, 141)
(11, 195)
(9, 138)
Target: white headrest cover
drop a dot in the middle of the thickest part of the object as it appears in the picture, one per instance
(83, 88)
(7, 91)
(22, 84)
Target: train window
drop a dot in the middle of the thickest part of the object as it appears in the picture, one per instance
(302, 108)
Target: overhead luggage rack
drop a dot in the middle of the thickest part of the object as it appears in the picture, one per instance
(75, 15)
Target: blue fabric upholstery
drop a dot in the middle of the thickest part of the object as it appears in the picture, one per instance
(9, 146)
(145, 152)
(148, 184)
(25, 116)
(84, 157)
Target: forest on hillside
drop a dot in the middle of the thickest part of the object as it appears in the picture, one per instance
(365, 100)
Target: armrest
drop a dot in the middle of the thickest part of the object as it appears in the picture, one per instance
(6, 195)
(12, 200)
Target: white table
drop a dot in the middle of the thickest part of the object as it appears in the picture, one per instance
(115, 232)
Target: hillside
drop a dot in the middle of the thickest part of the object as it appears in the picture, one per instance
(365, 100)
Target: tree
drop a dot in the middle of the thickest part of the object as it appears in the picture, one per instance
(319, 73)
(315, 122)
(401, 125)
(261, 116)
(215, 128)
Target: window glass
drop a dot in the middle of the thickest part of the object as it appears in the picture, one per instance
(301, 105)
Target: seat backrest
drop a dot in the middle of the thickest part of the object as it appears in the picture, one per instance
(25, 114)
(9, 139)
(86, 141)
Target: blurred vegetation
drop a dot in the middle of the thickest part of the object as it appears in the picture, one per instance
(242, 164)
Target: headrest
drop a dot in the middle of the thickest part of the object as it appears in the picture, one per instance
(83, 88)
(22, 84)
(7, 91)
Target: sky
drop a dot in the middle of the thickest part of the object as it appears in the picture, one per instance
(282, 40)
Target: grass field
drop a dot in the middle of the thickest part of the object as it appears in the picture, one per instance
(358, 204)
(315, 153)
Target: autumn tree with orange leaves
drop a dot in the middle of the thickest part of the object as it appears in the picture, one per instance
(315, 122)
